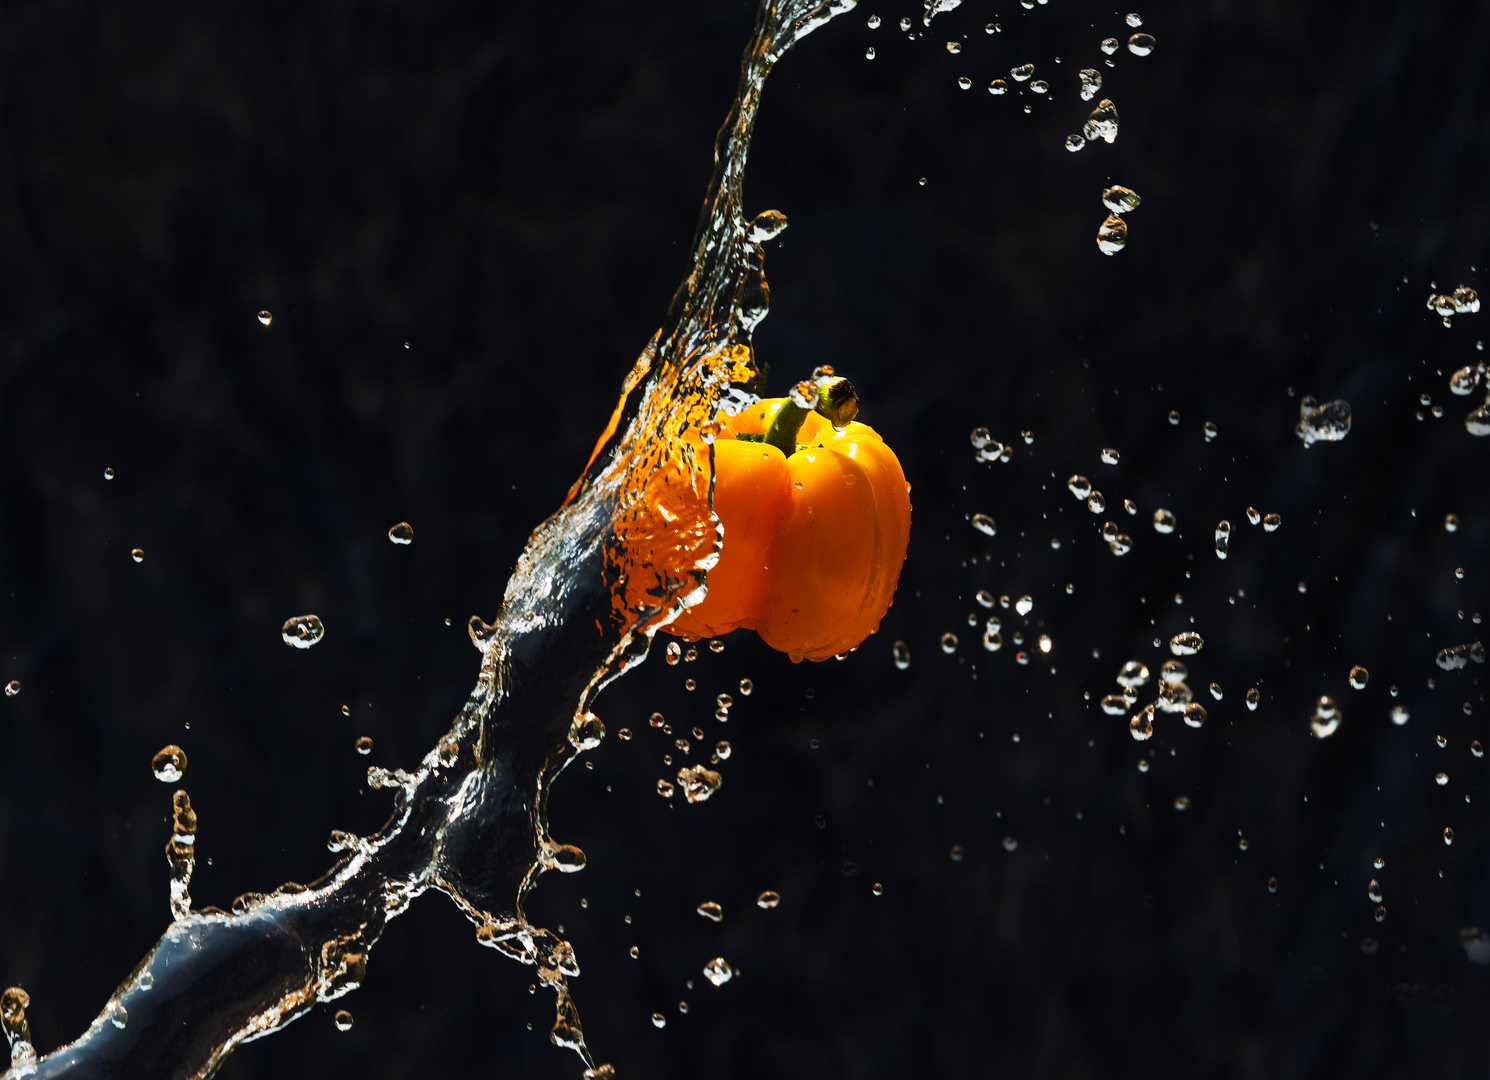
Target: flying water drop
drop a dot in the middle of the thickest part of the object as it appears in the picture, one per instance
(302, 631)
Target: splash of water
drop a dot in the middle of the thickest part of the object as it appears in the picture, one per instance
(628, 550)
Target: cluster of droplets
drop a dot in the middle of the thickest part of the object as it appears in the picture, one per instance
(1466, 381)
(1173, 693)
(1112, 234)
(1462, 301)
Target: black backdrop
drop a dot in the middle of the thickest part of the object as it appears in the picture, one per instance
(466, 220)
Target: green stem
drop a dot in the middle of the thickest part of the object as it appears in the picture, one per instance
(835, 400)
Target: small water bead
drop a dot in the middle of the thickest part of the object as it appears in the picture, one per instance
(1451, 523)
(1272, 884)
(1442, 779)
(711, 911)
(984, 524)
(1165, 521)
(1464, 380)
(1024, 605)
(993, 641)
(1476, 749)
(1141, 44)
(1253, 517)
(1121, 544)
(1135, 673)
(1074, 143)
(699, 783)
(690, 684)
(1323, 728)
(1130, 506)
(1022, 73)
(108, 473)
(402, 533)
(905, 23)
(964, 83)
(1478, 421)
(1440, 741)
(874, 22)
(949, 643)
(138, 555)
(954, 47)
(1143, 765)
(658, 1020)
(902, 654)
(1194, 715)
(1173, 672)
(1448, 836)
(1271, 523)
(1254, 698)
(992, 28)
(265, 318)
(1114, 704)
(1134, 20)
(1091, 82)
(1096, 503)
(1039, 86)
(980, 437)
(665, 789)
(302, 631)
(1110, 45)
(1359, 676)
(691, 655)
(1187, 643)
(718, 971)
(1141, 726)
(342, 1020)
(768, 899)
(998, 87)
(984, 597)
(869, 53)
(1112, 235)
(1045, 643)
(169, 764)
(1459, 573)
(1210, 431)
(1110, 456)
(1102, 123)
(364, 745)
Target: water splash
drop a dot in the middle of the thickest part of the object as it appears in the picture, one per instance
(627, 551)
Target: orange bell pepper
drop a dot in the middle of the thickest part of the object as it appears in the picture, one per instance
(816, 515)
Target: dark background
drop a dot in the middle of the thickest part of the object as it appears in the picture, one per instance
(467, 220)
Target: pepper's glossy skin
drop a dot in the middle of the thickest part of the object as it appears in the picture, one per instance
(813, 543)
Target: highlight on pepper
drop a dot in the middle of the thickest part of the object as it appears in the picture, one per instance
(816, 516)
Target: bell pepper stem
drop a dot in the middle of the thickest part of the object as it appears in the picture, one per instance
(832, 398)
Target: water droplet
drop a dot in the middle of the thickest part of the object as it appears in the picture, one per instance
(1112, 235)
(402, 533)
(1074, 143)
(1254, 698)
(1102, 123)
(1110, 45)
(1141, 726)
(1329, 422)
(1134, 673)
(993, 641)
(1253, 516)
(138, 555)
(1271, 523)
(1096, 503)
(718, 971)
(984, 524)
(1194, 715)
(874, 22)
(1091, 82)
(658, 1020)
(1478, 421)
(108, 474)
(1182, 802)
(1079, 486)
(1110, 457)
(1448, 836)
(1022, 73)
(1024, 605)
(698, 783)
(1165, 521)
(169, 764)
(1359, 676)
(1141, 44)
(364, 745)
(302, 631)
(1114, 704)
(954, 47)
(1441, 741)
(1120, 200)
(949, 642)
(1442, 779)
(343, 1020)
(1186, 644)
(265, 317)
(1039, 86)
(1134, 19)
(998, 87)
(664, 789)
(1455, 658)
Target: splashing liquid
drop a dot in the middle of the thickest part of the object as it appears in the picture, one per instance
(628, 550)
